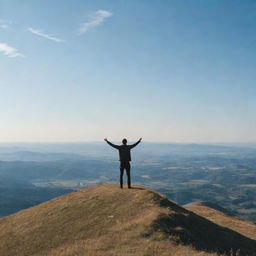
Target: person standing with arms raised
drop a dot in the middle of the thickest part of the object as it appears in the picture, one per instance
(124, 158)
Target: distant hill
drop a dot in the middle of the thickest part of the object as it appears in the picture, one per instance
(17, 194)
(105, 220)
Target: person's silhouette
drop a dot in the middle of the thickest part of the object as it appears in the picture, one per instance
(124, 158)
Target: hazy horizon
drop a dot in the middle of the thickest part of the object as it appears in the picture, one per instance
(220, 143)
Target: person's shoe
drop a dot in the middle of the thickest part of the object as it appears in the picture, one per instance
(121, 186)
(129, 187)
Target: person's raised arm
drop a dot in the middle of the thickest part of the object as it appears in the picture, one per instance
(111, 144)
(135, 144)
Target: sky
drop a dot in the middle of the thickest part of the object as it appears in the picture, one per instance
(166, 71)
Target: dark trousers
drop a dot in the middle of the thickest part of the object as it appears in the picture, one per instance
(125, 165)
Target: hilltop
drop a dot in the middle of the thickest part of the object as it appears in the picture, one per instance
(105, 220)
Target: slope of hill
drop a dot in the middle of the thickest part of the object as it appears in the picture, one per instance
(222, 218)
(209, 205)
(16, 194)
(104, 220)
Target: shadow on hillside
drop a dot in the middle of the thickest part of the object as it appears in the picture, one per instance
(137, 188)
(186, 227)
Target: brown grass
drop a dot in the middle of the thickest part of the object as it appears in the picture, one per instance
(246, 228)
(105, 220)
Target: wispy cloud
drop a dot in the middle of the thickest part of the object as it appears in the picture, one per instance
(40, 33)
(4, 26)
(95, 19)
(10, 51)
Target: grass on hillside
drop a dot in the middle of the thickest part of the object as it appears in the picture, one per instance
(105, 220)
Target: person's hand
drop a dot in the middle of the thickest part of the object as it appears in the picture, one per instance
(106, 139)
(140, 139)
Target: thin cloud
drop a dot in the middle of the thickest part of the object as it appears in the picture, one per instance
(3, 26)
(95, 19)
(49, 37)
(10, 51)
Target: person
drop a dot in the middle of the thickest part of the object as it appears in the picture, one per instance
(124, 158)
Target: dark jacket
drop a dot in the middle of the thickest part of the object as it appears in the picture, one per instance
(124, 151)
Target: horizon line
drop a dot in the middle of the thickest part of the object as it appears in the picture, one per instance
(146, 141)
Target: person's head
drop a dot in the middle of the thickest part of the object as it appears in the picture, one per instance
(124, 141)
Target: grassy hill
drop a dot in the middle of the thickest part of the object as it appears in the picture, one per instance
(105, 220)
(222, 218)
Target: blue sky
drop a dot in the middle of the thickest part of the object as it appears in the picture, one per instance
(169, 71)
